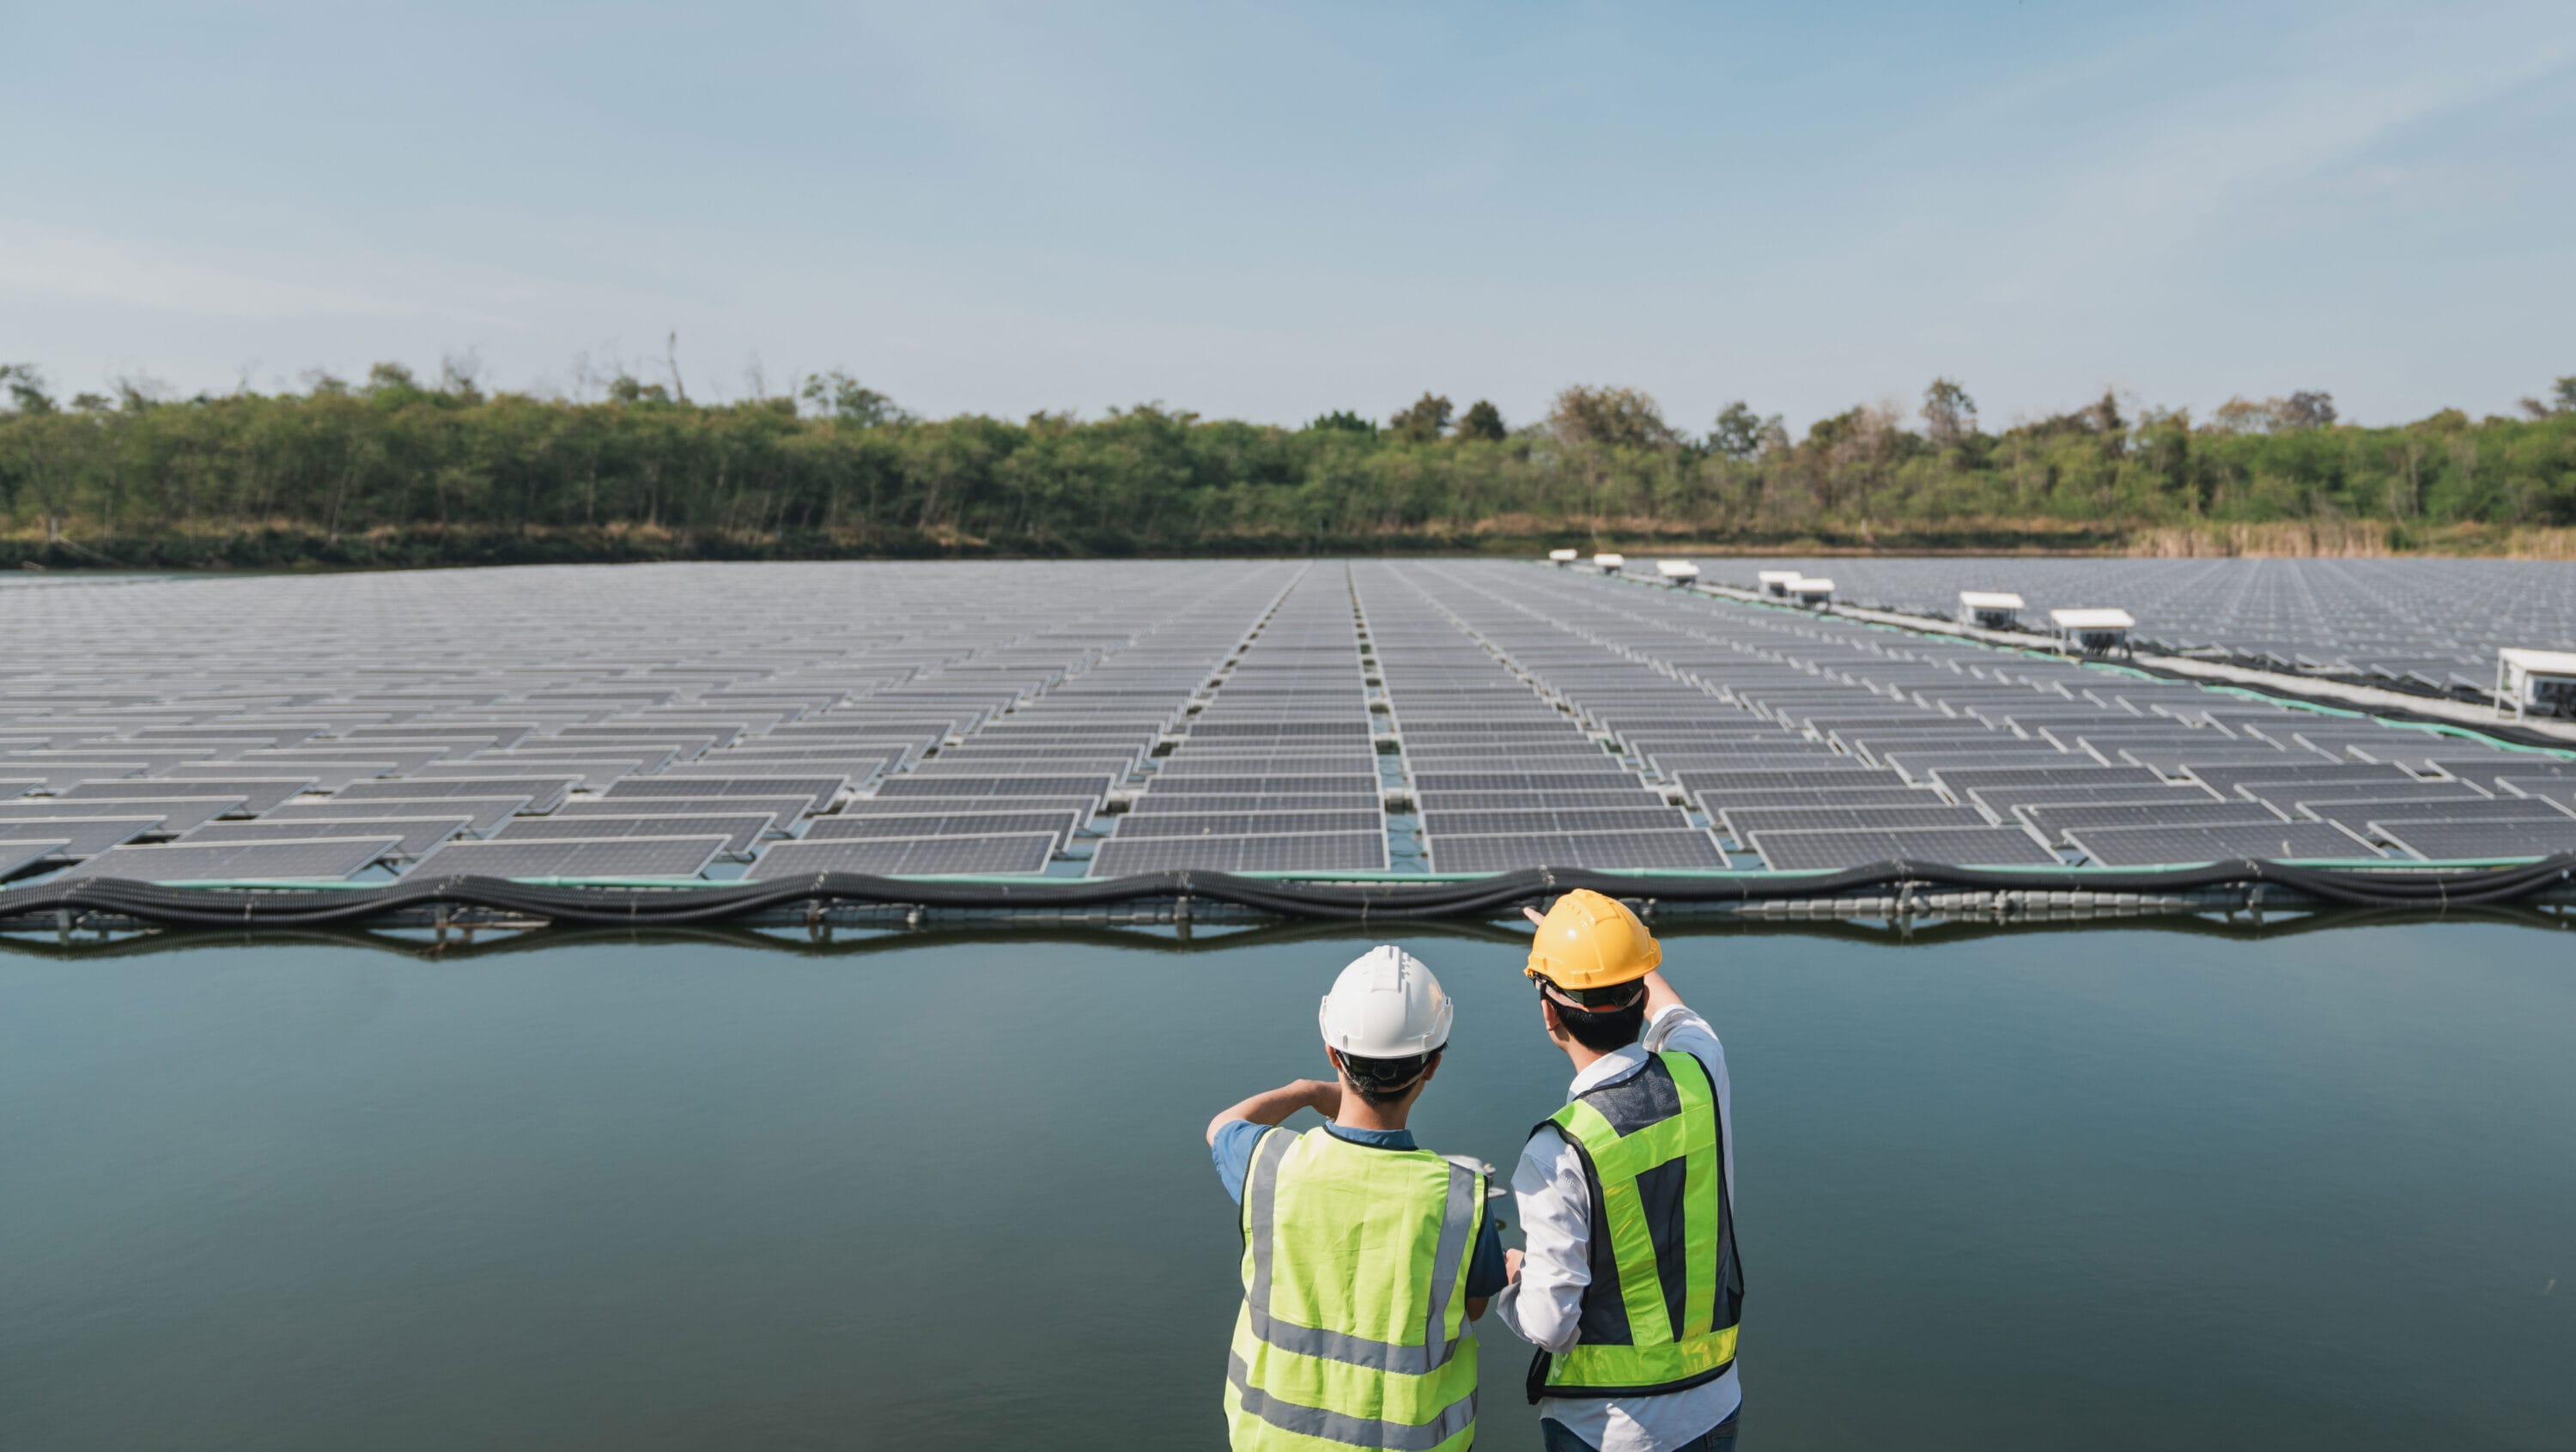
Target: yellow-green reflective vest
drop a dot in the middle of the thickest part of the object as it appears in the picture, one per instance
(1666, 1293)
(1353, 1331)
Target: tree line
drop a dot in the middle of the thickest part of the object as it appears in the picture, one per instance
(396, 468)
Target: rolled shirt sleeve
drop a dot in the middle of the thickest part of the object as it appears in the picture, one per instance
(1232, 1151)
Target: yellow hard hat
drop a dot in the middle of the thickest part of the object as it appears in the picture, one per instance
(1590, 940)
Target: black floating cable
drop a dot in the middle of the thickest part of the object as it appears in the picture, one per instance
(1482, 897)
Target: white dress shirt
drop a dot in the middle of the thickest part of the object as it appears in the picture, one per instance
(1544, 1307)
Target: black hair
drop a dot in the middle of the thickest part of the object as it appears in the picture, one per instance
(1602, 1030)
(1382, 1082)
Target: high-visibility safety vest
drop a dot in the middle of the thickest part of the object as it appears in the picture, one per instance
(1666, 1293)
(1353, 1331)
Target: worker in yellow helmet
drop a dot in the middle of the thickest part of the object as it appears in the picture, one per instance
(1364, 1255)
(1629, 1287)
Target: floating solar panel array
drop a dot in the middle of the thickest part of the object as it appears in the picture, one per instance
(695, 722)
(2429, 625)
(1277, 770)
(658, 723)
(1811, 742)
(1504, 774)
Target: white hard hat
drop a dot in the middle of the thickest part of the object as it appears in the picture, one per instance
(1386, 1005)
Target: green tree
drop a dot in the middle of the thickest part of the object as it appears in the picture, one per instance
(1482, 421)
(1342, 421)
(1618, 417)
(1742, 434)
(2561, 400)
(1424, 422)
(837, 396)
(26, 387)
(1949, 414)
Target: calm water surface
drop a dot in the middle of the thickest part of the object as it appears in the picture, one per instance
(2110, 1189)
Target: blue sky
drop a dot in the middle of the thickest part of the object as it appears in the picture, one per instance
(1270, 211)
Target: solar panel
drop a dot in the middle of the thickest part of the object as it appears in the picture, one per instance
(1317, 852)
(1015, 854)
(817, 791)
(2539, 788)
(1059, 825)
(258, 794)
(1634, 798)
(413, 835)
(2156, 846)
(1741, 821)
(2438, 841)
(619, 857)
(1233, 824)
(328, 774)
(1547, 822)
(18, 787)
(2518, 767)
(2302, 797)
(1091, 788)
(484, 813)
(1819, 762)
(2227, 778)
(2002, 800)
(324, 859)
(740, 830)
(1523, 781)
(2453, 809)
(80, 836)
(2055, 821)
(782, 812)
(1207, 730)
(1862, 847)
(1672, 849)
(1251, 784)
(734, 764)
(1200, 763)
(1155, 804)
(541, 794)
(177, 814)
(2076, 772)
(17, 854)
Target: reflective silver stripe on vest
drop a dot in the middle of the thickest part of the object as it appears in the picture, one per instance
(1457, 1216)
(1307, 1421)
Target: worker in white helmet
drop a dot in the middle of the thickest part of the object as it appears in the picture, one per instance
(1364, 1255)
